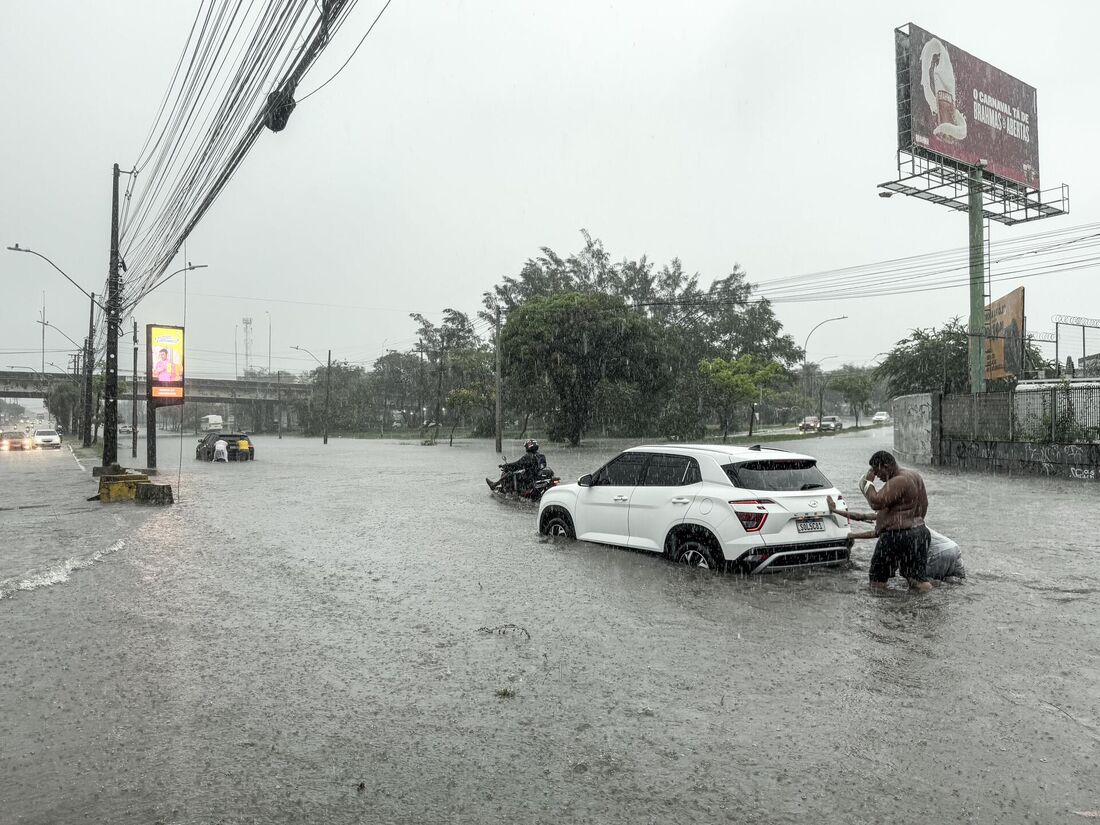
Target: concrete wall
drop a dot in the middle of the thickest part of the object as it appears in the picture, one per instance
(1078, 462)
(913, 436)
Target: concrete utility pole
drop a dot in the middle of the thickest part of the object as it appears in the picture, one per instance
(89, 359)
(499, 408)
(133, 401)
(110, 399)
(328, 388)
(279, 403)
(976, 348)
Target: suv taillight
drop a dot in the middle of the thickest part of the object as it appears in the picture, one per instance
(754, 520)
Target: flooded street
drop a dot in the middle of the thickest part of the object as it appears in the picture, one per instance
(323, 636)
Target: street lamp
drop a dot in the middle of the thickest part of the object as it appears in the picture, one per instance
(328, 381)
(53, 326)
(806, 344)
(84, 292)
(88, 366)
(162, 282)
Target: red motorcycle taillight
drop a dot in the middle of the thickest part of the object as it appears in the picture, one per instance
(753, 520)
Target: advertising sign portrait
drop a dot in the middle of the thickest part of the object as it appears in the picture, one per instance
(164, 365)
(965, 109)
(1004, 346)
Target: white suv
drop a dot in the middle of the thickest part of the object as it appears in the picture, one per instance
(47, 439)
(753, 509)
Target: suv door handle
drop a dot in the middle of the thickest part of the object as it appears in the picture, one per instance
(679, 500)
(622, 498)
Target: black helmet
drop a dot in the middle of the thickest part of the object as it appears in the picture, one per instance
(531, 446)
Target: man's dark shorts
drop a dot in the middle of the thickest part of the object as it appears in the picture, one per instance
(904, 550)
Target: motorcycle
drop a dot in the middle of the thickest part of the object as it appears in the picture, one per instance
(511, 487)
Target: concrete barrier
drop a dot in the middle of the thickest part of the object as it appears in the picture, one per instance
(153, 492)
(120, 487)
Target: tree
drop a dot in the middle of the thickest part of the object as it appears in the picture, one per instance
(62, 399)
(936, 360)
(737, 381)
(576, 341)
(855, 385)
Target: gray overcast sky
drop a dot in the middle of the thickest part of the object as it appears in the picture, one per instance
(466, 135)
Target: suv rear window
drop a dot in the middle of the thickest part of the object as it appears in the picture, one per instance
(777, 475)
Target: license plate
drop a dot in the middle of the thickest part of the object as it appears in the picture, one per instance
(810, 525)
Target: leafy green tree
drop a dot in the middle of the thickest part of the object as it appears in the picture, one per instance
(855, 386)
(735, 382)
(62, 399)
(936, 360)
(575, 342)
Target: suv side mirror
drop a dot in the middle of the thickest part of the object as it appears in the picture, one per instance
(585, 480)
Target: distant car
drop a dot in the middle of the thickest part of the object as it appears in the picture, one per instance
(881, 417)
(809, 424)
(15, 440)
(47, 439)
(831, 423)
(128, 429)
(205, 449)
(752, 509)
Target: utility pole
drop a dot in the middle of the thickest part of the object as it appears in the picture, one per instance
(328, 388)
(499, 410)
(269, 343)
(236, 372)
(43, 369)
(279, 403)
(110, 400)
(89, 359)
(976, 338)
(133, 401)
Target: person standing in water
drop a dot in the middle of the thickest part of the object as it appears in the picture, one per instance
(900, 507)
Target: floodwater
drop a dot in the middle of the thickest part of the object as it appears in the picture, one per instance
(310, 638)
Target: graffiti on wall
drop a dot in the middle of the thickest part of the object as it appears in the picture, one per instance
(913, 427)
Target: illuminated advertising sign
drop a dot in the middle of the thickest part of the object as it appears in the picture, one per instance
(164, 365)
(959, 107)
(1004, 348)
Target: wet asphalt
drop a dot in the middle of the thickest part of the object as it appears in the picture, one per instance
(361, 633)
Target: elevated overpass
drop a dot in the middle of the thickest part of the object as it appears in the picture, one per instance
(27, 384)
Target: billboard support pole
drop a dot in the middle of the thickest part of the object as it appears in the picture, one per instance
(151, 434)
(977, 282)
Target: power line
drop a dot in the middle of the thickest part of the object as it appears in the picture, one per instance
(350, 56)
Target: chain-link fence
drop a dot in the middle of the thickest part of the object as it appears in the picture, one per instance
(1047, 415)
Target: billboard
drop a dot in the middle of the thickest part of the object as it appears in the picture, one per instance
(164, 365)
(1004, 346)
(954, 105)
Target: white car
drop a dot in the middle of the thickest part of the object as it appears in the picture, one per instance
(753, 508)
(881, 417)
(47, 439)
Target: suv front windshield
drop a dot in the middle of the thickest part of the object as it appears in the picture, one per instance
(777, 475)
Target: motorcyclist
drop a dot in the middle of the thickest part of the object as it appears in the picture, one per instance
(530, 463)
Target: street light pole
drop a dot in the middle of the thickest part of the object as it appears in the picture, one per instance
(89, 363)
(328, 387)
(328, 382)
(806, 344)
